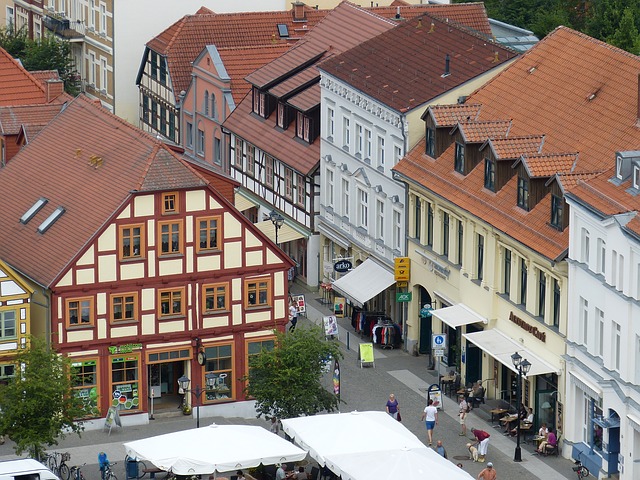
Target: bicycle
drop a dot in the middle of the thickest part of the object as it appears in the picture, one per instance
(581, 470)
(58, 467)
(76, 472)
(108, 474)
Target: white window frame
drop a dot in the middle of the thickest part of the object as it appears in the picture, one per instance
(616, 345)
(331, 122)
(584, 246)
(599, 332)
(379, 218)
(329, 199)
(380, 151)
(602, 256)
(359, 139)
(397, 154)
(368, 146)
(103, 18)
(345, 197)
(584, 321)
(346, 132)
(92, 68)
(397, 228)
(362, 197)
(103, 74)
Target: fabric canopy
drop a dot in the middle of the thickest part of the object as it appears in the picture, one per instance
(216, 448)
(366, 445)
(458, 315)
(286, 233)
(500, 346)
(364, 282)
(242, 203)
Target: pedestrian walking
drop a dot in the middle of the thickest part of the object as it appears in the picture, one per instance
(275, 426)
(440, 449)
(392, 406)
(464, 411)
(430, 417)
(482, 440)
(293, 315)
(488, 473)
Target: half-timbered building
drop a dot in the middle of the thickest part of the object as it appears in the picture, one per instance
(150, 273)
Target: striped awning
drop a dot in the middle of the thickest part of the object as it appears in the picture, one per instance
(242, 203)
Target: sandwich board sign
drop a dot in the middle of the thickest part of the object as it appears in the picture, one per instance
(111, 418)
(366, 354)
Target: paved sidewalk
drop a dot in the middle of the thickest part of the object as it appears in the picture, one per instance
(361, 389)
(408, 377)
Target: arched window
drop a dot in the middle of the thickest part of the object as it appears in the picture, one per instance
(206, 102)
(214, 107)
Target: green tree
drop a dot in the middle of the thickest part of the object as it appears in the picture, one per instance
(14, 42)
(286, 382)
(626, 35)
(38, 404)
(547, 20)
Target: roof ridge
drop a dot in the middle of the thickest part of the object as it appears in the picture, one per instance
(592, 40)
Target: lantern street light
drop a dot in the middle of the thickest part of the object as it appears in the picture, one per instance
(522, 367)
(277, 220)
(210, 380)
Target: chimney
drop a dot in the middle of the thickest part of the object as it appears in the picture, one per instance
(446, 66)
(397, 13)
(299, 15)
(53, 88)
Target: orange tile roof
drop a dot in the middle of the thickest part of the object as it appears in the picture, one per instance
(307, 99)
(547, 165)
(405, 67)
(478, 132)
(510, 148)
(473, 15)
(568, 181)
(183, 41)
(606, 197)
(90, 195)
(241, 61)
(553, 82)
(17, 86)
(44, 75)
(582, 94)
(450, 115)
(12, 117)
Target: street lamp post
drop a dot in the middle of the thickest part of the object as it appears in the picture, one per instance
(522, 366)
(183, 382)
(277, 220)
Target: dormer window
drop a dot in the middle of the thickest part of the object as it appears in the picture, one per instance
(303, 127)
(259, 102)
(283, 116)
(557, 212)
(523, 193)
(636, 177)
(431, 142)
(489, 174)
(619, 167)
(459, 158)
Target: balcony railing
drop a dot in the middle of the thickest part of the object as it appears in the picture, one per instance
(64, 27)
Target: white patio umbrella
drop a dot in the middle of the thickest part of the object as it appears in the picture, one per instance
(365, 445)
(216, 448)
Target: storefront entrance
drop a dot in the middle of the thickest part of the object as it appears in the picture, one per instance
(472, 358)
(424, 344)
(163, 380)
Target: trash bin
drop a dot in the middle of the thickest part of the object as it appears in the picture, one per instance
(132, 467)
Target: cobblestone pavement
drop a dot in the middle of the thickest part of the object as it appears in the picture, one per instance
(361, 389)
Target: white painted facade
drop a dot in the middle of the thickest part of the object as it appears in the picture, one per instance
(603, 342)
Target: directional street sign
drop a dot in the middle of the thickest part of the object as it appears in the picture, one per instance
(402, 269)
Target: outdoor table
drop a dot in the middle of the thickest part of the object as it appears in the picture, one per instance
(496, 412)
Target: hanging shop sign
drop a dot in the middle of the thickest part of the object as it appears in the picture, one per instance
(342, 266)
(403, 297)
(402, 269)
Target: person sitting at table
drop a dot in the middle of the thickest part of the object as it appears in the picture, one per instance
(477, 394)
(521, 415)
(549, 443)
(543, 431)
(527, 421)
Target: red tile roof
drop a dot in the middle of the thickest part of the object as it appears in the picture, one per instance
(582, 94)
(241, 61)
(606, 197)
(295, 82)
(478, 132)
(450, 115)
(307, 99)
(405, 67)
(547, 165)
(17, 86)
(12, 117)
(510, 148)
(89, 195)
(473, 15)
(183, 41)
(44, 75)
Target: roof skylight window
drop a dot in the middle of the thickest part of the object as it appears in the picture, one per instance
(283, 30)
(44, 226)
(35, 208)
